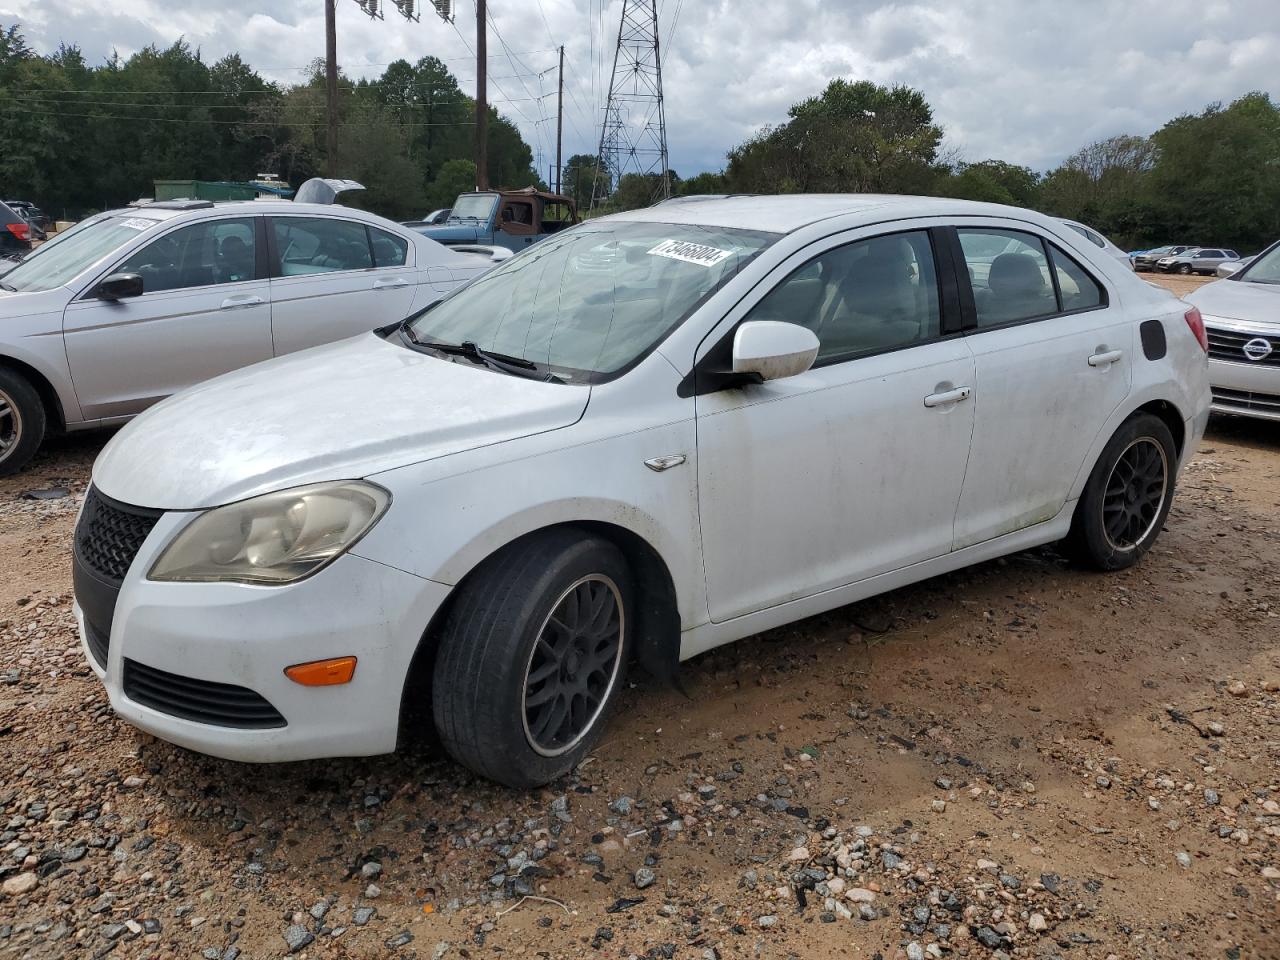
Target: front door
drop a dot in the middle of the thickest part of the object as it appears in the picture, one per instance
(334, 278)
(853, 468)
(204, 310)
(1054, 356)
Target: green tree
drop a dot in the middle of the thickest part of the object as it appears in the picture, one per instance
(992, 181)
(855, 137)
(455, 177)
(579, 173)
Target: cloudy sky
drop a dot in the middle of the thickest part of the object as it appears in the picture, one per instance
(1027, 81)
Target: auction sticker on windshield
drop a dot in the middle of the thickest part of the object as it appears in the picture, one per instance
(690, 252)
(137, 223)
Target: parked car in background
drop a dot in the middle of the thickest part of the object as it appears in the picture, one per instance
(15, 233)
(650, 435)
(1101, 242)
(1228, 267)
(1196, 260)
(1242, 320)
(33, 215)
(132, 305)
(513, 219)
(432, 219)
(1148, 259)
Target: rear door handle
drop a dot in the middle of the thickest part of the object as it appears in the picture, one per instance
(394, 283)
(244, 300)
(1105, 359)
(948, 397)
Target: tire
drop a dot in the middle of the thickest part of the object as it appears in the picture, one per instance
(1185, 269)
(492, 711)
(22, 422)
(1120, 514)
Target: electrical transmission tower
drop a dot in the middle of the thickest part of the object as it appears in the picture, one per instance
(633, 138)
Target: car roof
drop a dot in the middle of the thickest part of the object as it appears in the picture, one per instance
(786, 213)
(158, 211)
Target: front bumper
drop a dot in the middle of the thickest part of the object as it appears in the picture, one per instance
(228, 635)
(1245, 389)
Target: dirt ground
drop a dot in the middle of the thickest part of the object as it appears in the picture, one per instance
(1018, 760)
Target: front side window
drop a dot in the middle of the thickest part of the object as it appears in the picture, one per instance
(388, 249)
(863, 297)
(198, 255)
(307, 245)
(590, 302)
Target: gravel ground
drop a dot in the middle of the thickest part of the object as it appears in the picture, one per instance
(1017, 760)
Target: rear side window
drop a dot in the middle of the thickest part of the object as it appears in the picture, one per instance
(1077, 287)
(388, 249)
(1014, 278)
(307, 245)
(200, 255)
(864, 297)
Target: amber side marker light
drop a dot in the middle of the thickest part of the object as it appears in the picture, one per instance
(322, 673)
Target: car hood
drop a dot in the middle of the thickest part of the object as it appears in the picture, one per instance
(1239, 300)
(452, 233)
(341, 411)
(22, 303)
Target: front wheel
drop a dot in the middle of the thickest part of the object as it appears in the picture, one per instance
(532, 655)
(1127, 498)
(1185, 269)
(22, 422)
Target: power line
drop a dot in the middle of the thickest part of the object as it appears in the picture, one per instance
(266, 123)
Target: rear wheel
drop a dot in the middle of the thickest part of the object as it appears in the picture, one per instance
(1127, 498)
(22, 422)
(531, 657)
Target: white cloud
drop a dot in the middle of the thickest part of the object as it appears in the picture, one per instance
(1027, 81)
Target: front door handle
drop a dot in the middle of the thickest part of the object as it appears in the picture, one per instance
(394, 283)
(244, 300)
(948, 397)
(1106, 358)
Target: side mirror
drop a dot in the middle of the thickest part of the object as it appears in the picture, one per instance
(118, 286)
(773, 350)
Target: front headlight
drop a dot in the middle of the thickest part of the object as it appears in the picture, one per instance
(275, 538)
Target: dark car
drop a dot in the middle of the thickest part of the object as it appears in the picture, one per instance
(15, 233)
(29, 212)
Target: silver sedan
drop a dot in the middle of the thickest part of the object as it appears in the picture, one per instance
(1242, 318)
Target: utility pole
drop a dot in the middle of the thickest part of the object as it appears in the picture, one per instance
(331, 86)
(482, 98)
(560, 125)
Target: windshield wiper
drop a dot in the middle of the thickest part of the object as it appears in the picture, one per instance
(5, 286)
(472, 351)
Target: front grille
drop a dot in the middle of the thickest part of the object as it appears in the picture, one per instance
(1229, 345)
(110, 534)
(202, 701)
(1247, 400)
(99, 643)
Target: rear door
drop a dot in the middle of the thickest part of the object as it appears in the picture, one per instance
(332, 277)
(205, 310)
(1053, 353)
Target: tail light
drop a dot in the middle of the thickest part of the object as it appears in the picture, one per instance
(20, 230)
(1196, 323)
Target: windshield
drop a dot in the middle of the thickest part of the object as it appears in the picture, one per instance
(590, 302)
(71, 253)
(473, 206)
(1265, 268)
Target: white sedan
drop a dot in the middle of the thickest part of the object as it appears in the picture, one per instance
(133, 305)
(644, 437)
